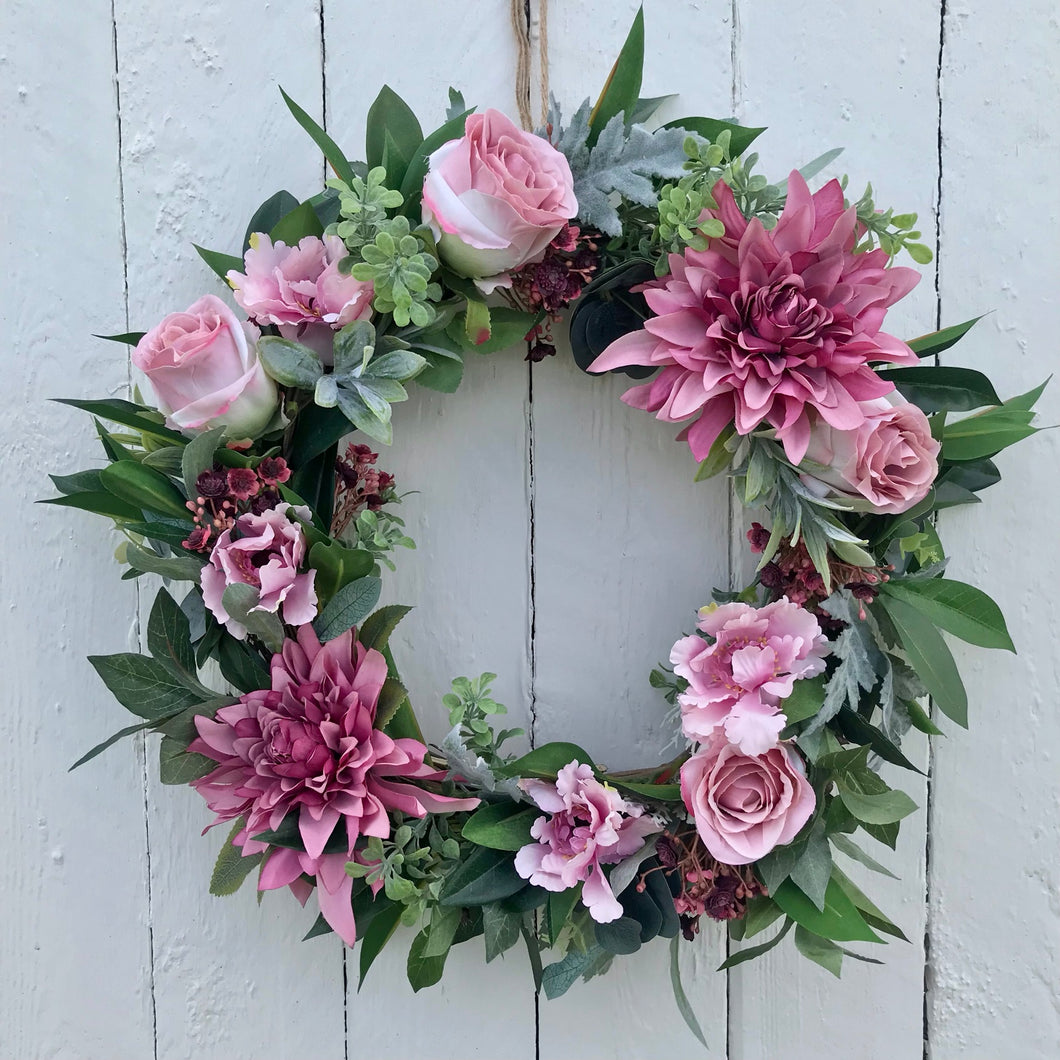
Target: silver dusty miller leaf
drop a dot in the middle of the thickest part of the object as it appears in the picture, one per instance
(621, 161)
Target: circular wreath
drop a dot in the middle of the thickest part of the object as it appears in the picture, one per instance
(757, 312)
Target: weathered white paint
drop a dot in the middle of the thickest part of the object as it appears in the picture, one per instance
(114, 948)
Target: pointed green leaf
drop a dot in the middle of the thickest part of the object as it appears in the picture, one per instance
(484, 876)
(376, 629)
(937, 341)
(740, 137)
(178, 765)
(819, 950)
(501, 826)
(347, 607)
(231, 867)
(222, 264)
(376, 936)
(846, 845)
(296, 224)
(935, 388)
(680, 997)
(390, 115)
(621, 91)
(330, 149)
(98, 504)
(839, 920)
(749, 953)
(129, 730)
(266, 216)
(143, 685)
(960, 609)
(145, 488)
(128, 414)
(546, 760)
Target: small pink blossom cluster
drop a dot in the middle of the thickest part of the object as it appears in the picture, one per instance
(589, 825)
(746, 791)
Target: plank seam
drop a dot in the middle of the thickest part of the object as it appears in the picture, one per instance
(929, 808)
(139, 603)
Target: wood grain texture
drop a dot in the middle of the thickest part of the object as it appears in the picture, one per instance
(465, 457)
(75, 961)
(207, 137)
(995, 950)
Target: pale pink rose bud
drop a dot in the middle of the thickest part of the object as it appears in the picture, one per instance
(745, 805)
(498, 196)
(891, 459)
(203, 367)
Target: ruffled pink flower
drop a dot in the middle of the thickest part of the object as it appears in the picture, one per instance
(589, 825)
(891, 459)
(308, 746)
(745, 805)
(300, 288)
(264, 551)
(768, 326)
(738, 679)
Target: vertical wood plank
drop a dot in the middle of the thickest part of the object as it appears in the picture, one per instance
(74, 937)
(627, 547)
(805, 78)
(206, 138)
(995, 919)
(465, 454)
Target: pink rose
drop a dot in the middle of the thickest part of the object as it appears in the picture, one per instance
(589, 825)
(745, 805)
(264, 551)
(300, 289)
(204, 369)
(498, 195)
(891, 459)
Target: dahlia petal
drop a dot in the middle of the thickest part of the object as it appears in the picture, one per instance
(633, 348)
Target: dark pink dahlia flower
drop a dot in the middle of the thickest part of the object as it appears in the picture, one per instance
(767, 326)
(309, 746)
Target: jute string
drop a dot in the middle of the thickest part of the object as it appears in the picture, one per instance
(524, 63)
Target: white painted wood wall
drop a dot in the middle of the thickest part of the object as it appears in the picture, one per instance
(561, 541)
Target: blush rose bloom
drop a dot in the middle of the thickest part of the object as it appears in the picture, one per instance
(498, 196)
(891, 459)
(203, 367)
(745, 805)
(300, 289)
(264, 551)
(738, 680)
(589, 825)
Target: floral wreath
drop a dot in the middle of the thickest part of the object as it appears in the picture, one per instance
(756, 309)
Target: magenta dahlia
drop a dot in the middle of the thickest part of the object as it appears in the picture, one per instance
(308, 746)
(768, 326)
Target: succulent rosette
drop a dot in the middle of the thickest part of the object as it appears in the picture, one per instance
(272, 677)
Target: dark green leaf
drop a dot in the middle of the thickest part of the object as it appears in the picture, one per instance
(145, 488)
(1027, 401)
(337, 566)
(839, 920)
(320, 927)
(985, 433)
(231, 867)
(128, 338)
(443, 374)
(854, 727)
(376, 629)
(484, 876)
(560, 906)
(222, 264)
(813, 870)
(887, 807)
(98, 504)
(240, 665)
(176, 765)
(376, 936)
(143, 685)
(806, 699)
(662, 792)
(921, 719)
(330, 149)
(846, 845)
(128, 414)
(622, 89)
(936, 388)
(180, 568)
(819, 950)
(393, 135)
(347, 607)
(500, 826)
(749, 953)
(873, 915)
(680, 997)
(391, 696)
(619, 936)
(199, 457)
(930, 657)
(558, 978)
(546, 760)
(169, 637)
(129, 730)
(295, 225)
(937, 341)
(762, 911)
(740, 137)
(266, 216)
(960, 609)
(80, 482)
(501, 929)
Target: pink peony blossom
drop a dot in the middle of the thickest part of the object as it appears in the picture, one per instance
(264, 551)
(498, 196)
(891, 459)
(308, 746)
(768, 326)
(738, 680)
(203, 366)
(589, 825)
(300, 289)
(745, 805)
